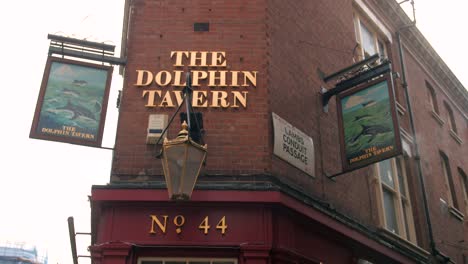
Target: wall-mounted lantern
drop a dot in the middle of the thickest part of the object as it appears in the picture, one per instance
(182, 157)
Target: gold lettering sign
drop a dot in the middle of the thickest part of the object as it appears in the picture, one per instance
(159, 224)
(69, 131)
(205, 67)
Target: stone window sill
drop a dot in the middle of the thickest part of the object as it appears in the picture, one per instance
(437, 118)
(400, 109)
(456, 137)
(393, 236)
(456, 213)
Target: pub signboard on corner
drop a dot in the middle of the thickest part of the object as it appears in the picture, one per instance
(369, 130)
(72, 102)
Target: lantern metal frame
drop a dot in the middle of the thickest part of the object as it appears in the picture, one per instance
(180, 189)
(184, 142)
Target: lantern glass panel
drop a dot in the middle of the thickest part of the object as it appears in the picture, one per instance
(175, 159)
(182, 163)
(195, 158)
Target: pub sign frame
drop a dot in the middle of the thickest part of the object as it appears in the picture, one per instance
(72, 102)
(368, 123)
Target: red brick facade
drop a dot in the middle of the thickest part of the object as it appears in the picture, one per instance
(292, 45)
(159, 27)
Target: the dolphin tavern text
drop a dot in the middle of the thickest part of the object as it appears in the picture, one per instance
(207, 70)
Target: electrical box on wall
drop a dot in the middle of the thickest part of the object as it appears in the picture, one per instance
(156, 125)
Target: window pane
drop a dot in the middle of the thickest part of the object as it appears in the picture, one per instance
(223, 262)
(381, 49)
(385, 171)
(406, 219)
(151, 262)
(432, 98)
(464, 183)
(368, 44)
(390, 212)
(429, 97)
(401, 179)
(199, 262)
(174, 262)
(453, 125)
(452, 196)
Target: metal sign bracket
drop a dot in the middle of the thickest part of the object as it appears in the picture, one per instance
(352, 76)
(83, 49)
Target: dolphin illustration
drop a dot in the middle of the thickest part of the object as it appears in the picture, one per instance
(78, 111)
(368, 103)
(79, 82)
(357, 118)
(52, 100)
(372, 131)
(70, 92)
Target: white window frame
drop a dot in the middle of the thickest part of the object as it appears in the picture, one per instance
(451, 118)
(359, 22)
(405, 226)
(372, 18)
(447, 172)
(451, 191)
(464, 185)
(432, 98)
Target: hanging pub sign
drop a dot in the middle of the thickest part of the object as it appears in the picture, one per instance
(72, 102)
(369, 130)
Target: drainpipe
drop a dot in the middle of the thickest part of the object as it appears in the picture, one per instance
(436, 253)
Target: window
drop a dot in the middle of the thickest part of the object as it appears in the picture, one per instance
(451, 194)
(369, 41)
(432, 99)
(394, 201)
(185, 261)
(451, 118)
(464, 185)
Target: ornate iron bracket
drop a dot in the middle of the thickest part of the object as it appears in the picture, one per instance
(352, 76)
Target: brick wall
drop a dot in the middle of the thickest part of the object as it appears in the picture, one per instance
(237, 139)
(433, 137)
(314, 38)
(291, 44)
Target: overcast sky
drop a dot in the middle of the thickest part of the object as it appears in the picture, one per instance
(42, 183)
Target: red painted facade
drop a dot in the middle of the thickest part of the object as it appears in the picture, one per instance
(274, 212)
(260, 227)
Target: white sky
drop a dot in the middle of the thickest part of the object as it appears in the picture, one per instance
(45, 182)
